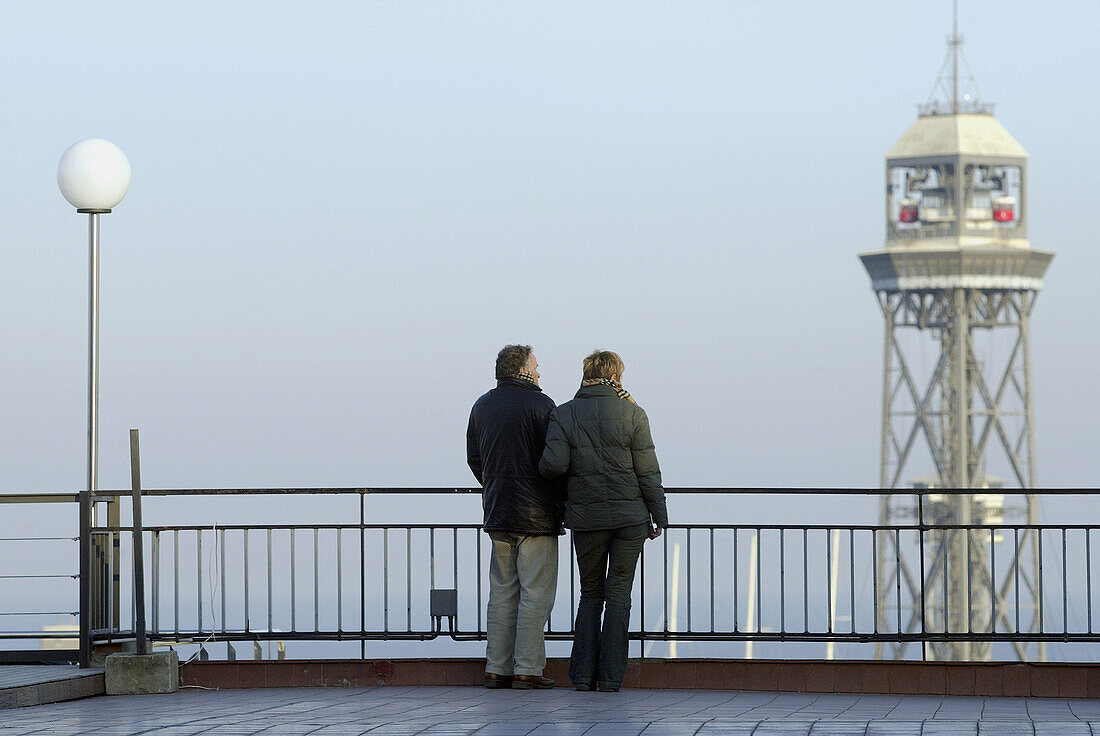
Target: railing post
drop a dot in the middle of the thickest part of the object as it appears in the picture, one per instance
(112, 545)
(85, 502)
(923, 579)
(139, 546)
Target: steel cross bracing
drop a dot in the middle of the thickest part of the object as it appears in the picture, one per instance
(953, 414)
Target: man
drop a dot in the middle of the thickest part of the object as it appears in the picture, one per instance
(523, 517)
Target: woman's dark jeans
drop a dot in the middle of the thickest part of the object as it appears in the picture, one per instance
(606, 561)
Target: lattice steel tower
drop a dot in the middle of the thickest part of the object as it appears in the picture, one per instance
(957, 281)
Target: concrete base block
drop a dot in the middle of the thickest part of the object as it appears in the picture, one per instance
(139, 674)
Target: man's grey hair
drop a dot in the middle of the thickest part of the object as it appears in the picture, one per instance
(511, 359)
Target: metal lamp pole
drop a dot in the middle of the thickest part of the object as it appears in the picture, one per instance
(94, 176)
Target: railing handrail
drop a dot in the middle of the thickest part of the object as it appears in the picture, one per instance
(63, 497)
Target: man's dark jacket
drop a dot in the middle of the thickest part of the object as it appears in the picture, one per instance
(603, 444)
(504, 440)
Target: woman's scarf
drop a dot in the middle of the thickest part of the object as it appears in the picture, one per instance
(622, 392)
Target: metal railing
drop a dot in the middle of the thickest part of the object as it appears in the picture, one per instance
(714, 582)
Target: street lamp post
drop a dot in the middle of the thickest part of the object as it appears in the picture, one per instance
(94, 176)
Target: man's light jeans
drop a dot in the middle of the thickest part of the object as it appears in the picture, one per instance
(523, 579)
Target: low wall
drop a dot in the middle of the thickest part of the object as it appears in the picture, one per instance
(1046, 680)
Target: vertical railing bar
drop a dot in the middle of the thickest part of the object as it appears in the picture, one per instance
(176, 578)
(641, 601)
(874, 576)
(408, 580)
(829, 578)
(385, 579)
(110, 581)
(923, 579)
(736, 616)
(363, 574)
(431, 557)
(852, 582)
(993, 580)
(244, 535)
(1088, 578)
(759, 538)
(897, 573)
(293, 583)
(156, 581)
(687, 576)
(664, 603)
(454, 555)
(1039, 536)
(968, 533)
(221, 532)
(270, 612)
(340, 580)
(1016, 572)
(316, 580)
(1065, 588)
(712, 580)
(805, 582)
(946, 588)
(477, 536)
(782, 581)
(198, 556)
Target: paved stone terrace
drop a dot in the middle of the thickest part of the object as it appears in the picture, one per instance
(22, 685)
(467, 710)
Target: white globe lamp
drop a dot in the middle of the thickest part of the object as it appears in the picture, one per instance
(94, 174)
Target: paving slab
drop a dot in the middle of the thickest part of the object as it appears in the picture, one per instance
(451, 711)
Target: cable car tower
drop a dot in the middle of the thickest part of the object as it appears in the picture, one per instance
(957, 281)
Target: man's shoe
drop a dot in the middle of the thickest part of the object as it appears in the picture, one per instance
(494, 681)
(608, 689)
(531, 682)
(584, 686)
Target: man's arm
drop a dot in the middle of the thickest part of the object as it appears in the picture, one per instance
(473, 452)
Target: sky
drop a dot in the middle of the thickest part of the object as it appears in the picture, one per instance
(340, 212)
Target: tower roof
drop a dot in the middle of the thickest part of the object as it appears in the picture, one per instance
(948, 135)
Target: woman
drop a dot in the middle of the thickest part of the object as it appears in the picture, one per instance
(614, 501)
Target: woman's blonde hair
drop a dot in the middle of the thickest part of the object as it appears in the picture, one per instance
(603, 364)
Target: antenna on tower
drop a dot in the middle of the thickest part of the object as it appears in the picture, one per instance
(954, 43)
(950, 99)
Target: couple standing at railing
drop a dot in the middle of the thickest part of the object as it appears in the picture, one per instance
(589, 464)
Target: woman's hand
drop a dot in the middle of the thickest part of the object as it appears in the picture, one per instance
(654, 531)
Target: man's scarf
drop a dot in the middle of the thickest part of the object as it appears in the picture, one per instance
(622, 392)
(524, 375)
